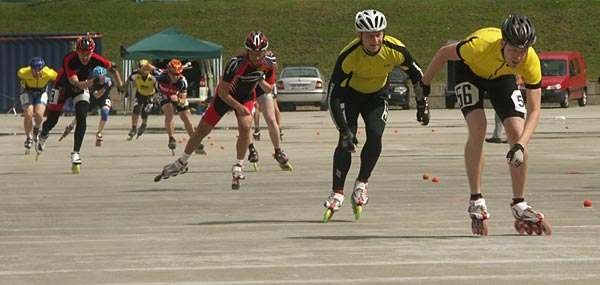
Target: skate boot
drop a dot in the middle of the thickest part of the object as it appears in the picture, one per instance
(132, 133)
(256, 134)
(66, 132)
(99, 139)
(333, 204)
(172, 144)
(40, 145)
(28, 144)
(200, 150)
(238, 174)
(253, 157)
(528, 220)
(283, 161)
(141, 131)
(75, 162)
(172, 169)
(359, 198)
(479, 217)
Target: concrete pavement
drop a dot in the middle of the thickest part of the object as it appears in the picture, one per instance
(112, 224)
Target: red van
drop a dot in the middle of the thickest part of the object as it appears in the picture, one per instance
(563, 78)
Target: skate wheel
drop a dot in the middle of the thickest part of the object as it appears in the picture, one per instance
(98, 143)
(129, 138)
(328, 215)
(173, 152)
(255, 164)
(528, 228)
(27, 152)
(358, 211)
(287, 167)
(157, 177)
(235, 184)
(479, 227)
(545, 228)
(519, 227)
(536, 228)
(76, 168)
(37, 156)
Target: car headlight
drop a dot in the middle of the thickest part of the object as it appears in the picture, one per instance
(554, 87)
(400, 89)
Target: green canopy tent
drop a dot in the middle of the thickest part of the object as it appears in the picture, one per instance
(173, 43)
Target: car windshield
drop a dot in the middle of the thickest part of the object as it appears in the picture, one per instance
(553, 67)
(397, 74)
(299, 72)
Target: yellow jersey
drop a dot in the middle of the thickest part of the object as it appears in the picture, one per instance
(369, 73)
(145, 86)
(482, 52)
(28, 82)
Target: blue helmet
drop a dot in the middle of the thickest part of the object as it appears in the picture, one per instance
(37, 63)
(98, 71)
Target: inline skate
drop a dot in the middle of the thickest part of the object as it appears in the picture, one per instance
(132, 133)
(359, 198)
(99, 139)
(283, 161)
(332, 204)
(238, 175)
(528, 220)
(200, 150)
(253, 156)
(171, 170)
(141, 131)
(40, 145)
(172, 144)
(75, 162)
(479, 217)
(66, 132)
(28, 144)
(256, 134)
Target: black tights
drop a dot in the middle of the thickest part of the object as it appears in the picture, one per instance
(373, 110)
(81, 109)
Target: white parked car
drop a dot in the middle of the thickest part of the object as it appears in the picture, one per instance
(301, 86)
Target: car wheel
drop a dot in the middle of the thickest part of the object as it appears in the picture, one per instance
(583, 101)
(565, 102)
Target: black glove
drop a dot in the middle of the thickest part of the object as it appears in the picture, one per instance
(97, 81)
(348, 140)
(121, 89)
(126, 94)
(516, 155)
(423, 114)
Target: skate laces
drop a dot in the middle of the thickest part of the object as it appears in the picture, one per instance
(335, 199)
(281, 157)
(75, 157)
(237, 171)
(360, 192)
(478, 209)
(522, 211)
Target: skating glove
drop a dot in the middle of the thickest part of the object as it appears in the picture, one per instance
(516, 155)
(349, 141)
(423, 112)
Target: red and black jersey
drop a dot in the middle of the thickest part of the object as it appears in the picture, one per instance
(165, 87)
(244, 76)
(73, 66)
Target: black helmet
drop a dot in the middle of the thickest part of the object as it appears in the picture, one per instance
(518, 31)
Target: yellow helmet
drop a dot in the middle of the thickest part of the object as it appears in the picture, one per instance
(142, 63)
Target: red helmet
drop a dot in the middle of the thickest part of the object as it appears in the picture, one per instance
(85, 43)
(256, 41)
(174, 66)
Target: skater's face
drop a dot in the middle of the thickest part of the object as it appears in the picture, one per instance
(513, 55)
(36, 72)
(173, 76)
(84, 56)
(371, 41)
(256, 56)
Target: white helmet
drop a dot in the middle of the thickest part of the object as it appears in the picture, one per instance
(370, 21)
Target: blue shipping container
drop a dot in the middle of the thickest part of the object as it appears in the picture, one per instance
(16, 50)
